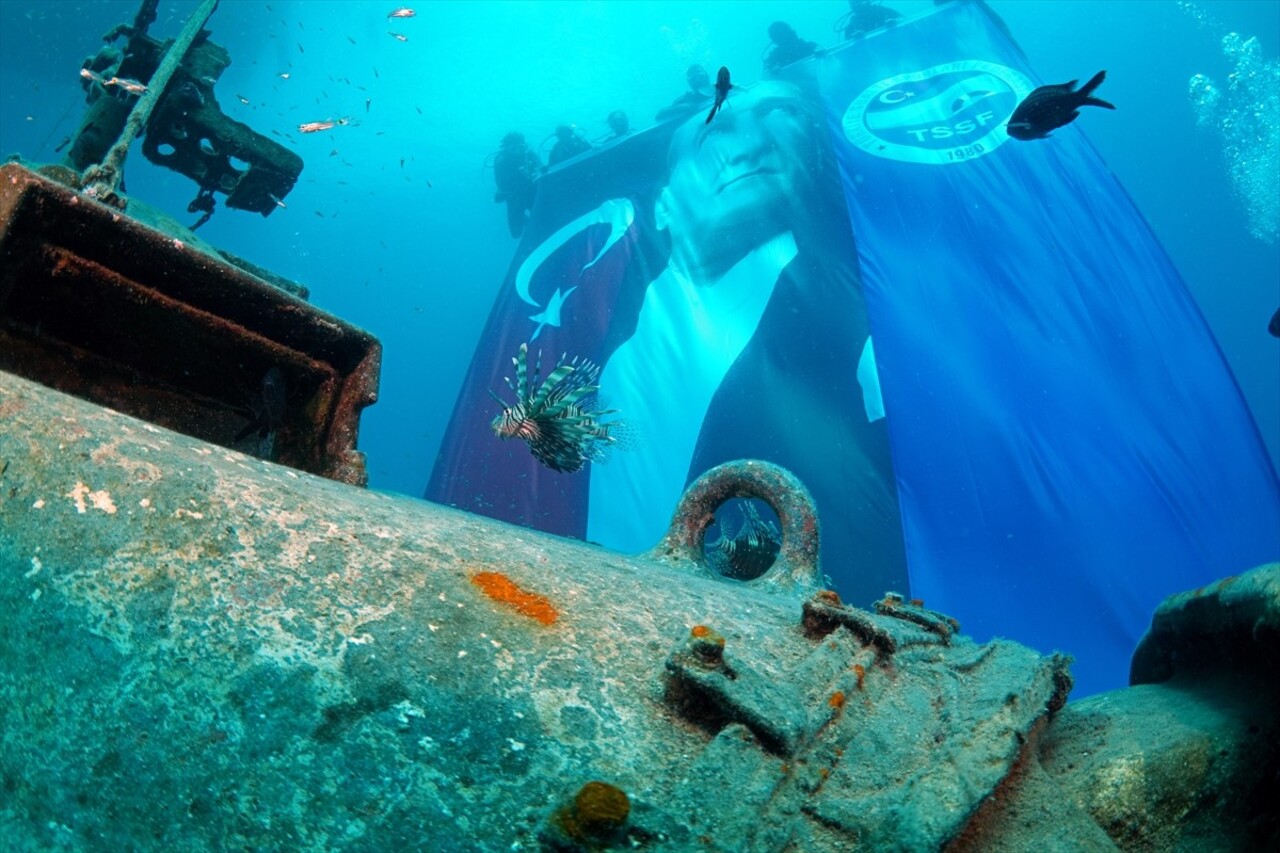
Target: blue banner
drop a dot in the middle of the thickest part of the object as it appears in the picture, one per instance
(1069, 444)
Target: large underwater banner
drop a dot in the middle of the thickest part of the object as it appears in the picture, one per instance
(1069, 443)
(1068, 446)
(710, 270)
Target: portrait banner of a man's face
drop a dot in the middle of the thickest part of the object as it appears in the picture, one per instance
(1043, 440)
(709, 270)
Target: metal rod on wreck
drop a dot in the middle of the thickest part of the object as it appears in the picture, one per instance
(102, 180)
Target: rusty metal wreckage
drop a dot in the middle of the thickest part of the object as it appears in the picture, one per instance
(207, 650)
(210, 649)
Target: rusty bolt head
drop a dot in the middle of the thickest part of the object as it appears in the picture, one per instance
(706, 646)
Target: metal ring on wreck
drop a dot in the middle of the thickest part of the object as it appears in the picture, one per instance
(796, 571)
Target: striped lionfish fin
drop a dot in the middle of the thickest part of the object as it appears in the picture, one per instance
(521, 361)
(548, 388)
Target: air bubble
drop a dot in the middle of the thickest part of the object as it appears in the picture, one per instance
(1245, 116)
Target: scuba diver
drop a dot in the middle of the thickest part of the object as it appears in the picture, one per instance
(619, 124)
(787, 48)
(866, 15)
(515, 167)
(569, 143)
(692, 101)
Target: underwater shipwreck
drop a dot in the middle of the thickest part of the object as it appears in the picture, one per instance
(213, 641)
(202, 649)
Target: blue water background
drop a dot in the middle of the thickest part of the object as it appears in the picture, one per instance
(397, 231)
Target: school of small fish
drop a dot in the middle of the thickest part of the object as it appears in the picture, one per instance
(400, 14)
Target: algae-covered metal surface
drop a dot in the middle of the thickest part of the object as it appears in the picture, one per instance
(200, 650)
(206, 650)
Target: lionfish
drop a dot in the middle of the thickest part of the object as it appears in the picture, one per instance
(556, 418)
(751, 552)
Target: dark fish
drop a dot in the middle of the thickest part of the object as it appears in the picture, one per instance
(1274, 326)
(1050, 107)
(555, 418)
(265, 414)
(722, 91)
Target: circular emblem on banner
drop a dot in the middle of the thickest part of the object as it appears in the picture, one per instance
(945, 114)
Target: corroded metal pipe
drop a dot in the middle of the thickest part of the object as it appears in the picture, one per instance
(199, 649)
(101, 181)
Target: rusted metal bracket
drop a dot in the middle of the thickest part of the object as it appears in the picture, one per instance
(825, 612)
(705, 687)
(97, 304)
(893, 604)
